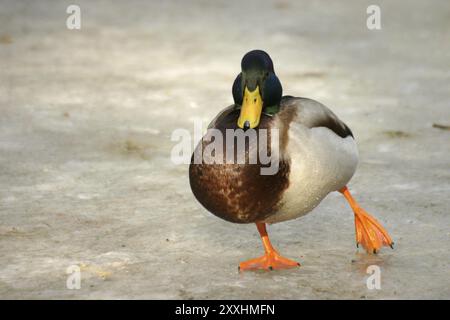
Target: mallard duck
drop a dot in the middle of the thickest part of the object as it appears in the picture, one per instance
(317, 155)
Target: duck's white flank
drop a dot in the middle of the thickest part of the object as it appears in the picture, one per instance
(320, 162)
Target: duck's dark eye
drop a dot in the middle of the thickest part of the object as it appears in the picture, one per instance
(254, 100)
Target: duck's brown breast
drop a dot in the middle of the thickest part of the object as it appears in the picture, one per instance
(238, 192)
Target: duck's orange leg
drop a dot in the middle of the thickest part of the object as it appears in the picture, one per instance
(271, 260)
(369, 232)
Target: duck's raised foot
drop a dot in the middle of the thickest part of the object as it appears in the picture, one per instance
(369, 232)
(269, 261)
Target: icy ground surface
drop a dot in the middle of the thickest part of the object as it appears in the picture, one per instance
(85, 126)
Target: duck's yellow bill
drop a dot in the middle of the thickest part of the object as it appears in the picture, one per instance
(251, 109)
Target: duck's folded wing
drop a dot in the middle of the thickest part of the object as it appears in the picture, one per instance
(311, 113)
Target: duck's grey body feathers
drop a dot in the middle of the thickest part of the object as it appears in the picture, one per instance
(318, 155)
(311, 113)
(322, 156)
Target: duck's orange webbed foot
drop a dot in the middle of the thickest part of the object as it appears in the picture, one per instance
(369, 232)
(271, 260)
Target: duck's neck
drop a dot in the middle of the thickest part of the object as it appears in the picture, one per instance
(272, 110)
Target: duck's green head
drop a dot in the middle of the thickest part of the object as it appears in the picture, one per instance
(256, 89)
